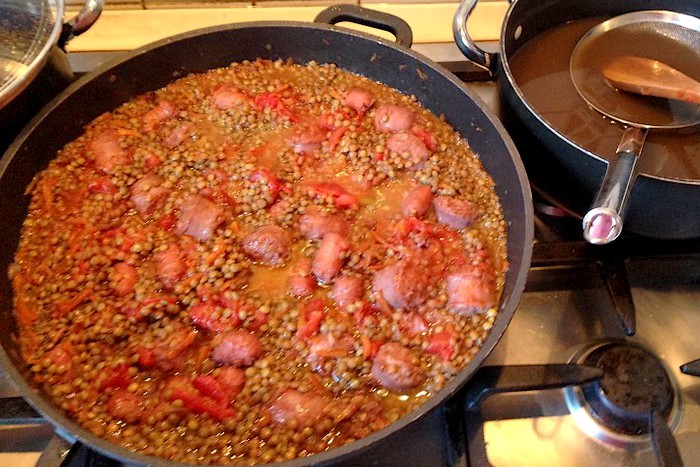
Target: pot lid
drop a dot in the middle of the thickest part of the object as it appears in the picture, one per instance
(28, 30)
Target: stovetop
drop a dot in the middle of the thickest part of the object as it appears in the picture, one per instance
(635, 291)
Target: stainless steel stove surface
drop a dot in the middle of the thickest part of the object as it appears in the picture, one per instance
(563, 311)
(576, 296)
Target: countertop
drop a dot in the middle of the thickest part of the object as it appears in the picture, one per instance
(120, 29)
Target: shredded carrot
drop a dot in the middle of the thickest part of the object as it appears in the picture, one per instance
(257, 151)
(74, 241)
(73, 199)
(166, 298)
(383, 304)
(366, 346)
(47, 192)
(331, 353)
(70, 305)
(29, 344)
(378, 238)
(215, 253)
(335, 94)
(18, 283)
(302, 318)
(182, 345)
(27, 313)
(316, 384)
(202, 355)
(336, 136)
(282, 87)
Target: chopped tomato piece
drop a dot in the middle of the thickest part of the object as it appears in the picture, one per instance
(210, 387)
(167, 222)
(153, 161)
(259, 318)
(363, 312)
(203, 316)
(408, 225)
(428, 138)
(442, 344)
(274, 184)
(312, 314)
(62, 354)
(272, 100)
(199, 404)
(102, 185)
(336, 136)
(341, 197)
(118, 378)
(27, 312)
(147, 358)
(268, 100)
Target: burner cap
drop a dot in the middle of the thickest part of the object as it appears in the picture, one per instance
(634, 383)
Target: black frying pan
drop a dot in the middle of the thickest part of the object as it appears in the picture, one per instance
(154, 66)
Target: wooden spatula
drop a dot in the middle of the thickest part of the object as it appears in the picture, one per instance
(651, 78)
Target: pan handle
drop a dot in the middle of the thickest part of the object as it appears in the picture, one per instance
(464, 41)
(92, 9)
(603, 222)
(366, 17)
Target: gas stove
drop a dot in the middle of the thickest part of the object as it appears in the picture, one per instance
(599, 354)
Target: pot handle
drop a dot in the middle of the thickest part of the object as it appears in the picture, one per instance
(464, 41)
(603, 222)
(92, 9)
(366, 17)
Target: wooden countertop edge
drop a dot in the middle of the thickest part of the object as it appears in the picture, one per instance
(118, 30)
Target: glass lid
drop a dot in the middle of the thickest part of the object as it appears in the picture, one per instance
(28, 30)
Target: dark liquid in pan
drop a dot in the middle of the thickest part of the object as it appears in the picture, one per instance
(541, 70)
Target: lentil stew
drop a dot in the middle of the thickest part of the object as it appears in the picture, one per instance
(257, 263)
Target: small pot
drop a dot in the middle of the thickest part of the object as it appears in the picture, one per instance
(559, 169)
(40, 68)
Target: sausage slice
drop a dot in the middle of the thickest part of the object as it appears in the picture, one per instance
(269, 244)
(417, 202)
(454, 212)
(237, 348)
(470, 291)
(302, 407)
(397, 367)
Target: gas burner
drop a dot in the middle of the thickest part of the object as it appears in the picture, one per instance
(616, 408)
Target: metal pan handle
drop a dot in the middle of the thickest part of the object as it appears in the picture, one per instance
(464, 41)
(92, 9)
(603, 222)
(366, 17)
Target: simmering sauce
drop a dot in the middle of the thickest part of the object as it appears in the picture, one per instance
(541, 70)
